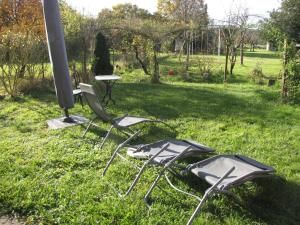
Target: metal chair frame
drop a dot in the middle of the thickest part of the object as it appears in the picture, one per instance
(102, 115)
(151, 161)
(214, 189)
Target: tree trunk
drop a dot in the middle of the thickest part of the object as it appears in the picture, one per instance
(84, 65)
(226, 63)
(22, 71)
(113, 56)
(232, 60)
(242, 53)
(143, 65)
(187, 63)
(201, 48)
(219, 43)
(207, 49)
(85, 75)
(232, 64)
(155, 75)
(43, 70)
(284, 90)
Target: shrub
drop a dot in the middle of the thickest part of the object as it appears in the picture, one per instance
(206, 64)
(293, 79)
(256, 74)
(101, 64)
(18, 54)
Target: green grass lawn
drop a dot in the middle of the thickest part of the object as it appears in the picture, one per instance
(54, 177)
(269, 62)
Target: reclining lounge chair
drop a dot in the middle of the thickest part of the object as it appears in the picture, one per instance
(123, 123)
(163, 153)
(222, 172)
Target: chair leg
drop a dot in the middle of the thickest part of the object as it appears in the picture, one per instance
(137, 178)
(117, 151)
(208, 192)
(88, 127)
(152, 187)
(106, 136)
(168, 165)
(197, 210)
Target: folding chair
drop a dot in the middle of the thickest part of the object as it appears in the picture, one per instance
(222, 172)
(163, 153)
(123, 123)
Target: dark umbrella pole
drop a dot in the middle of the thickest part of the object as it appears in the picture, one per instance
(59, 63)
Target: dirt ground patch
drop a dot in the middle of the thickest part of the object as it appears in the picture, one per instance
(5, 220)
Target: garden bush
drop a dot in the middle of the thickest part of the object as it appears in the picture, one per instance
(256, 75)
(101, 64)
(21, 58)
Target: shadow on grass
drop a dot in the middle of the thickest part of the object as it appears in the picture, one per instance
(45, 95)
(3, 117)
(171, 102)
(275, 201)
(174, 102)
(150, 133)
(165, 101)
(183, 103)
(268, 95)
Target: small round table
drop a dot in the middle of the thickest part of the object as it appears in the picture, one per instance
(109, 81)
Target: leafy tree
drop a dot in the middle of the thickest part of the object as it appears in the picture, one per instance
(184, 10)
(284, 25)
(191, 13)
(120, 39)
(229, 34)
(22, 16)
(271, 33)
(136, 31)
(243, 28)
(291, 79)
(286, 19)
(147, 37)
(16, 50)
(234, 34)
(80, 33)
(101, 64)
(253, 37)
(22, 40)
(129, 11)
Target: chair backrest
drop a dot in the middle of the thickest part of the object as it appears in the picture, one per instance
(246, 169)
(94, 102)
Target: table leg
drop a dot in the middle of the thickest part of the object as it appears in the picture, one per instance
(108, 93)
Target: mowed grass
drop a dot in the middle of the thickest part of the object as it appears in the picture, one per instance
(54, 177)
(269, 62)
